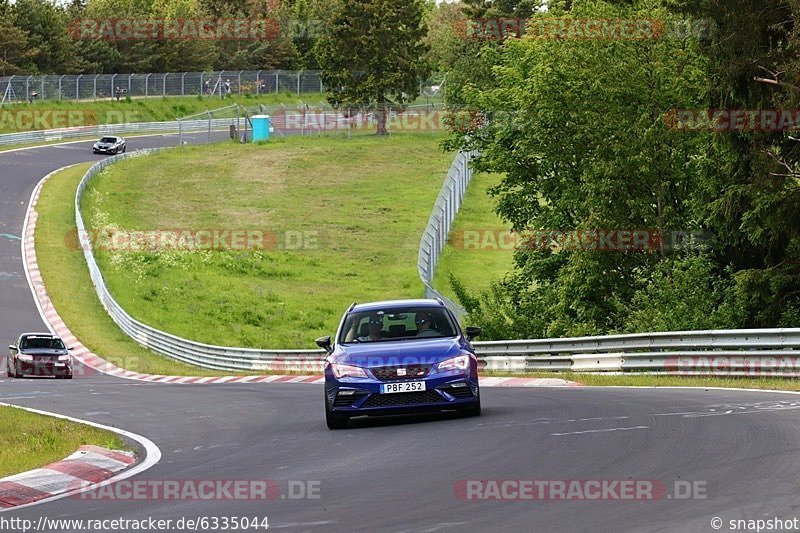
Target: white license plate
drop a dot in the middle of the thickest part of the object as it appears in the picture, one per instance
(406, 386)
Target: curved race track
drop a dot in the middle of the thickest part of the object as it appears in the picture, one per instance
(399, 475)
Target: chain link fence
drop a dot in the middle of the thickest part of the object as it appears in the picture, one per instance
(116, 86)
(78, 87)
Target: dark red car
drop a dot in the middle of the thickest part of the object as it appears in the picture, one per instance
(39, 354)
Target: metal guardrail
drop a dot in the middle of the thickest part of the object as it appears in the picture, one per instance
(435, 235)
(188, 351)
(40, 136)
(716, 352)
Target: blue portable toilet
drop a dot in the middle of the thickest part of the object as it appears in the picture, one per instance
(261, 127)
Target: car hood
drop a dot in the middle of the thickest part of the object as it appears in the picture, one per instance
(397, 353)
(43, 351)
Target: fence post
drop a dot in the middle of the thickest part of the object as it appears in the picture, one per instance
(112, 89)
(27, 88)
(276, 81)
(164, 85)
(240, 82)
(59, 86)
(298, 80)
(258, 82)
(77, 86)
(147, 83)
(94, 87)
(129, 84)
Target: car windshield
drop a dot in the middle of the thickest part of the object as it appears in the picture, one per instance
(394, 324)
(108, 140)
(29, 343)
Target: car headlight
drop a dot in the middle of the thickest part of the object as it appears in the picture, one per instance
(24, 357)
(456, 363)
(63, 357)
(347, 371)
(96, 145)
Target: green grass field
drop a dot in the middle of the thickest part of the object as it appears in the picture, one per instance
(472, 254)
(30, 440)
(341, 219)
(67, 280)
(19, 117)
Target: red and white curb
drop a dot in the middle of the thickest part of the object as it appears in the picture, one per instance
(87, 466)
(96, 363)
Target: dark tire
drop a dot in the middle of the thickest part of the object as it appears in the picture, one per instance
(116, 151)
(334, 421)
(124, 148)
(475, 410)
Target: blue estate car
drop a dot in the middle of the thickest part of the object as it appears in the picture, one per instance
(401, 356)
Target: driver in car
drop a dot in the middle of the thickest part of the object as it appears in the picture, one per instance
(424, 325)
(374, 334)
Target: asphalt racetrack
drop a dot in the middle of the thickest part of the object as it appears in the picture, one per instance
(709, 453)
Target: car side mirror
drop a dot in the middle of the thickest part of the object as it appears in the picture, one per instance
(325, 343)
(70, 348)
(12, 347)
(472, 332)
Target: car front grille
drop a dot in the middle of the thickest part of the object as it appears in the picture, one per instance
(388, 373)
(404, 398)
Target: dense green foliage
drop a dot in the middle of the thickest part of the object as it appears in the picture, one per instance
(44, 36)
(582, 131)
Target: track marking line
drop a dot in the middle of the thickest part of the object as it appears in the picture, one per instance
(599, 431)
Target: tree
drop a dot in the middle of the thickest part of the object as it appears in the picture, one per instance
(16, 55)
(372, 54)
(577, 127)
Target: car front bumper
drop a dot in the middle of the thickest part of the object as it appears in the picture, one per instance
(363, 397)
(44, 368)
